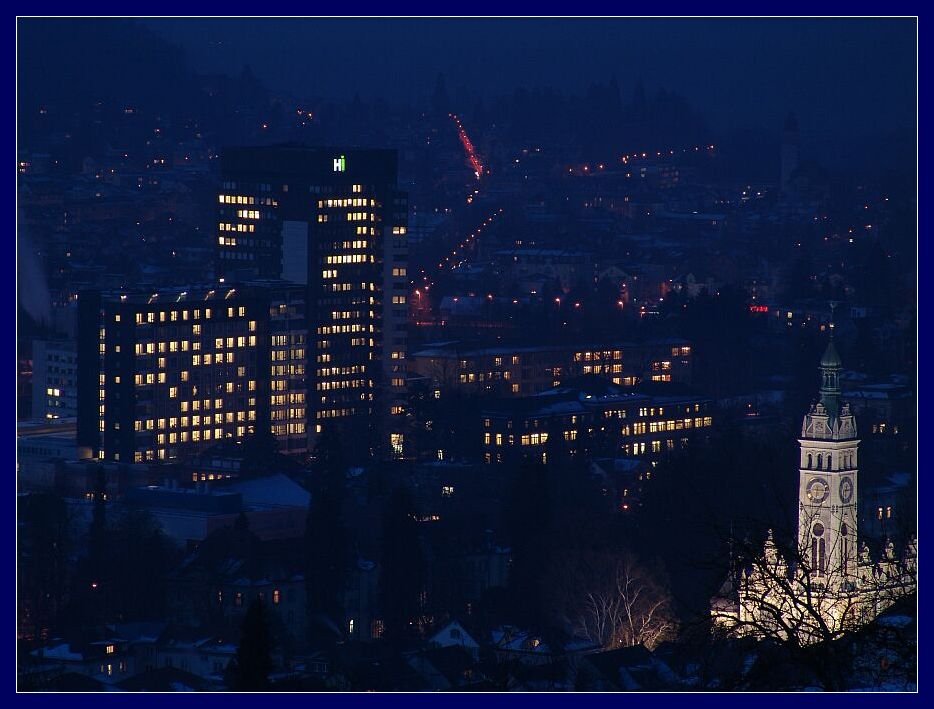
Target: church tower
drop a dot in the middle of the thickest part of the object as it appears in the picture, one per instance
(827, 479)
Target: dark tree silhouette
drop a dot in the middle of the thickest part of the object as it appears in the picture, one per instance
(141, 558)
(250, 670)
(804, 611)
(44, 531)
(97, 533)
(326, 540)
(402, 574)
(91, 589)
(529, 525)
(242, 523)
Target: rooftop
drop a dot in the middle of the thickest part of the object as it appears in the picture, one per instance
(584, 393)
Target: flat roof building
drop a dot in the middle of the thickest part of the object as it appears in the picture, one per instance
(162, 376)
(590, 415)
(521, 370)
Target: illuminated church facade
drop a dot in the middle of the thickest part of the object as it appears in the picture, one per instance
(829, 582)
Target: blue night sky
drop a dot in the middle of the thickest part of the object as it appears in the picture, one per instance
(850, 76)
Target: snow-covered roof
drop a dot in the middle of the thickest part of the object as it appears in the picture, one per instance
(60, 652)
(274, 491)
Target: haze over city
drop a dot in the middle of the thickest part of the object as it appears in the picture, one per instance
(467, 354)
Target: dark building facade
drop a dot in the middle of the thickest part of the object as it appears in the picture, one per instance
(164, 375)
(54, 385)
(525, 370)
(591, 415)
(334, 220)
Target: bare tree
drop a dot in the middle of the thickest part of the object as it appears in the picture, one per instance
(613, 601)
(443, 371)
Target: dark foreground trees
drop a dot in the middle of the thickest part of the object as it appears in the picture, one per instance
(326, 543)
(43, 568)
(808, 612)
(249, 671)
(402, 579)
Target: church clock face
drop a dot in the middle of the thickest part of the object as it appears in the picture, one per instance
(846, 490)
(818, 490)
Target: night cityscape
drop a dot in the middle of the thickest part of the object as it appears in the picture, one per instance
(472, 355)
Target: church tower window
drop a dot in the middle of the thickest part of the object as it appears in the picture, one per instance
(844, 546)
(818, 548)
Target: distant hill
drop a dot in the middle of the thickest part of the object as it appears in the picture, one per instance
(70, 63)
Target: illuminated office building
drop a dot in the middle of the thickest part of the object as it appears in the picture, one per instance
(162, 376)
(592, 415)
(523, 370)
(335, 221)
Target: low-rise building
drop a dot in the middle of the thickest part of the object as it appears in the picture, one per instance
(532, 270)
(593, 415)
(54, 379)
(274, 507)
(523, 370)
(104, 658)
(216, 584)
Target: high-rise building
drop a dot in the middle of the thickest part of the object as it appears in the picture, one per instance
(334, 220)
(164, 375)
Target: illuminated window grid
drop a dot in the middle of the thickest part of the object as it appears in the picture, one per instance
(223, 371)
(637, 438)
(287, 396)
(238, 220)
(346, 336)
